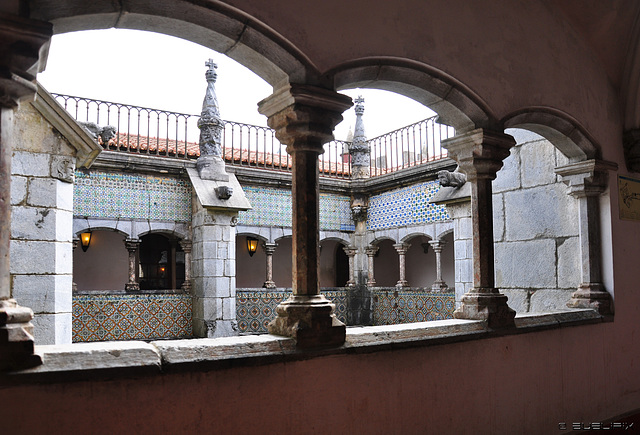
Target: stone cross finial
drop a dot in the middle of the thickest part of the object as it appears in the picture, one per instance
(210, 122)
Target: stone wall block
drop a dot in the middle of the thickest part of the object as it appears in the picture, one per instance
(43, 192)
(518, 299)
(538, 161)
(498, 218)
(52, 328)
(64, 197)
(18, 189)
(229, 308)
(546, 300)
(33, 223)
(213, 267)
(464, 272)
(569, 263)
(223, 250)
(508, 178)
(44, 293)
(30, 164)
(230, 268)
(529, 264)
(222, 286)
(540, 212)
(28, 257)
(64, 225)
(63, 258)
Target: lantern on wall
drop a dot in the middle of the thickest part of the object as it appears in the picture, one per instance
(85, 240)
(252, 245)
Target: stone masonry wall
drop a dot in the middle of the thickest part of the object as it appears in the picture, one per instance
(41, 225)
(535, 228)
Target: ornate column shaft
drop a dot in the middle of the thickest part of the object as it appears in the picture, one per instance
(351, 253)
(587, 180)
(132, 246)
(186, 246)
(439, 285)
(23, 47)
(269, 249)
(479, 154)
(371, 252)
(402, 249)
(303, 118)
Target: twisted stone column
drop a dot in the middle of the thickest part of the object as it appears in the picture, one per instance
(304, 117)
(402, 249)
(371, 252)
(269, 249)
(186, 246)
(132, 246)
(479, 154)
(23, 48)
(439, 285)
(351, 253)
(587, 180)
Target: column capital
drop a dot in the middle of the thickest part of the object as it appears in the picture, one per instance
(586, 178)
(480, 152)
(401, 248)
(304, 116)
(437, 244)
(24, 45)
(132, 244)
(371, 250)
(350, 250)
(186, 245)
(269, 248)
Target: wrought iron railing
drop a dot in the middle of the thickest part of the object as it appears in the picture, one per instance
(408, 146)
(154, 132)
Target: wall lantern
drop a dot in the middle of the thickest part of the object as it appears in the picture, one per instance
(252, 245)
(85, 239)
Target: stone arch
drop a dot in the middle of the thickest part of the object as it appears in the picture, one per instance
(337, 238)
(564, 132)
(216, 25)
(414, 234)
(444, 233)
(456, 104)
(172, 233)
(103, 227)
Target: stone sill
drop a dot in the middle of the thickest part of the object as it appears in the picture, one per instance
(122, 359)
(129, 292)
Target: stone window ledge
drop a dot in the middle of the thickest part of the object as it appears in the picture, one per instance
(115, 359)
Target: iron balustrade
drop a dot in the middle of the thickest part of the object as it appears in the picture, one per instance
(155, 132)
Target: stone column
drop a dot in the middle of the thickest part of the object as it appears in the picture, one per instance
(371, 252)
(351, 253)
(269, 249)
(23, 46)
(479, 154)
(186, 246)
(402, 249)
(304, 117)
(439, 285)
(587, 180)
(132, 246)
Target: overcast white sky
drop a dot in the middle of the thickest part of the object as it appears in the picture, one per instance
(158, 71)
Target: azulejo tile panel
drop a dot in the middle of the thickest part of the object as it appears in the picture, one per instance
(131, 317)
(405, 206)
(391, 307)
(272, 207)
(256, 308)
(116, 195)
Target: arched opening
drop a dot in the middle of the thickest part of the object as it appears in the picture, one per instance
(160, 263)
(420, 262)
(103, 266)
(250, 269)
(334, 264)
(385, 264)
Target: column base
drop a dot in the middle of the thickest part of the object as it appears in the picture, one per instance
(488, 305)
(269, 284)
(16, 337)
(186, 286)
(310, 321)
(132, 287)
(402, 284)
(592, 295)
(440, 287)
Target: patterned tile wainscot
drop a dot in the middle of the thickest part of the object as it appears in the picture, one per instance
(272, 207)
(111, 195)
(256, 308)
(391, 306)
(131, 317)
(405, 206)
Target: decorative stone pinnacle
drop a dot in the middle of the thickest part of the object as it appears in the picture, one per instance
(210, 122)
(359, 148)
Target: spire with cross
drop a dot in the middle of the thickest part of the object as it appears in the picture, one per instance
(359, 148)
(210, 122)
